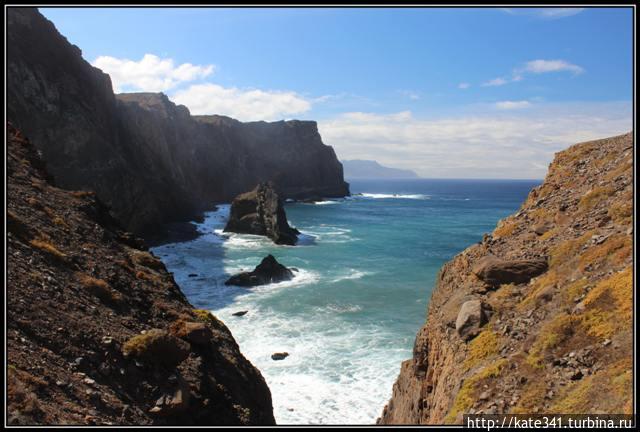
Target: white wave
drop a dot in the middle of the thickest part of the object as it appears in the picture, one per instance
(353, 274)
(341, 308)
(337, 372)
(395, 196)
(326, 202)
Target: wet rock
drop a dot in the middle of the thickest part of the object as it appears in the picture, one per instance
(240, 313)
(279, 355)
(495, 272)
(268, 271)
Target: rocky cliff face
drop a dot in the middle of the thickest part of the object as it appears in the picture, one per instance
(146, 158)
(97, 330)
(538, 316)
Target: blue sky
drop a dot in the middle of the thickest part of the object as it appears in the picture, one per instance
(448, 92)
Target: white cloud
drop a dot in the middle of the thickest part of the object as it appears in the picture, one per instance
(535, 67)
(489, 144)
(511, 105)
(151, 73)
(242, 104)
(495, 82)
(545, 66)
(464, 85)
(544, 13)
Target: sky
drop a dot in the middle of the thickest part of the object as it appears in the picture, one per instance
(445, 92)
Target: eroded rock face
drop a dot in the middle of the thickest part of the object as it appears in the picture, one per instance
(261, 212)
(148, 159)
(495, 272)
(268, 271)
(550, 334)
(98, 332)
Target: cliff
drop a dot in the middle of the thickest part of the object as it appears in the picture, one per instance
(97, 331)
(536, 318)
(149, 160)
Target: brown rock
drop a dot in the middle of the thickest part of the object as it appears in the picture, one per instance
(472, 316)
(494, 271)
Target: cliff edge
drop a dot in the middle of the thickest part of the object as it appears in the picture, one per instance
(98, 332)
(536, 318)
(148, 159)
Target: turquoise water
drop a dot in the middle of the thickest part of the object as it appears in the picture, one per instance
(366, 267)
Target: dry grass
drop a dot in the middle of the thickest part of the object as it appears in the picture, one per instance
(145, 259)
(49, 249)
(505, 228)
(553, 333)
(586, 395)
(157, 346)
(465, 398)
(566, 251)
(595, 196)
(481, 347)
(609, 306)
(621, 212)
(21, 401)
(99, 288)
(614, 251)
(82, 193)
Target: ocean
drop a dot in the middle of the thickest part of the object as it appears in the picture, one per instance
(366, 267)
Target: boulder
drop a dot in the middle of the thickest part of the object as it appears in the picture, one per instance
(261, 212)
(495, 272)
(279, 355)
(195, 332)
(472, 316)
(268, 271)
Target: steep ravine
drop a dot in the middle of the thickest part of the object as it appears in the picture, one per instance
(547, 322)
(148, 159)
(97, 331)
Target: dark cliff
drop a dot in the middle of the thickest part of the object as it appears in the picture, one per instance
(536, 318)
(98, 332)
(146, 158)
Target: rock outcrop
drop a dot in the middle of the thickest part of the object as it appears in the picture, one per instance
(148, 159)
(97, 330)
(559, 338)
(261, 212)
(495, 272)
(268, 271)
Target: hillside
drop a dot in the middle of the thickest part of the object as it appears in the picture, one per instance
(537, 317)
(148, 159)
(98, 332)
(368, 169)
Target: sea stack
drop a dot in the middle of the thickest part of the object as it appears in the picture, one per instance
(268, 271)
(261, 212)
